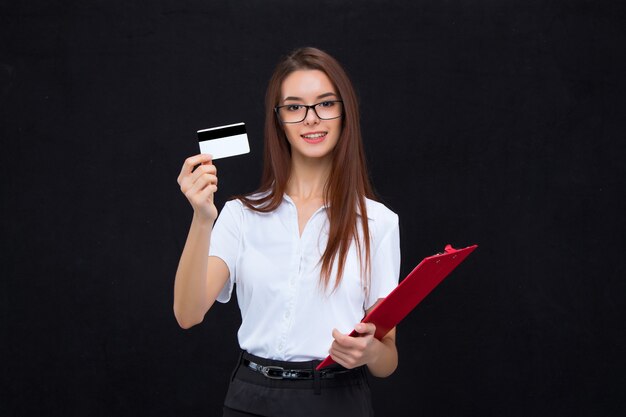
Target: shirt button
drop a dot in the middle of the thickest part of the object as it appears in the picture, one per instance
(287, 314)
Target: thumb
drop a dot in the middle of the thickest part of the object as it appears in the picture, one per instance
(365, 328)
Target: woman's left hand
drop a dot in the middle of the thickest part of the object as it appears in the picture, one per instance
(351, 352)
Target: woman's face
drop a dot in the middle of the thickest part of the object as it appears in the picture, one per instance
(313, 137)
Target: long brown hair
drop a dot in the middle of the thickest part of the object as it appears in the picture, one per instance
(348, 184)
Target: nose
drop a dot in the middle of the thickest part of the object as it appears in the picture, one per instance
(311, 116)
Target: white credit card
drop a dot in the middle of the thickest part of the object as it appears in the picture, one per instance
(224, 141)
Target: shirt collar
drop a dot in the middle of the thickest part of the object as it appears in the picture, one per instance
(326, 206)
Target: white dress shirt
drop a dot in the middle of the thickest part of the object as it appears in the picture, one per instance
(286, 314)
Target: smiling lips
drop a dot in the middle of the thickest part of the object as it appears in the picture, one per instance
(314, 137)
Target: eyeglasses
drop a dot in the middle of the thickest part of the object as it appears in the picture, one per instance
(295, 113)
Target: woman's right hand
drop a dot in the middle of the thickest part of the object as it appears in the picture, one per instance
(199, 185)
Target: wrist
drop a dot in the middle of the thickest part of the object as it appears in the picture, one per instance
(385, 358)
(202, 221)
(378, 350)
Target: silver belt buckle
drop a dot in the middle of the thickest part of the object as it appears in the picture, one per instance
(265, 370)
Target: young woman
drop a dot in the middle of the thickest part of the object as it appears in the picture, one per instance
(310, 251)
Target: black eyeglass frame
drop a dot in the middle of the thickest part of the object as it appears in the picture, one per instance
(312, 106)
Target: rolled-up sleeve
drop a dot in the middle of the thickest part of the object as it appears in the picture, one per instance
(226, 241)
(385, 263)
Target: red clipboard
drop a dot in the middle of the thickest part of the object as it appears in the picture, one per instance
(411, 291)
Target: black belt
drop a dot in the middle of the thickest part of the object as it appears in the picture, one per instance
(278, 372)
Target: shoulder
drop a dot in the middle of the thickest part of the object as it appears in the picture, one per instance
(380, 214)
(233, 211)
(237, 203)
(234, 204)
(257, 201)
(384, 226)
(246, 205)
(381, 220)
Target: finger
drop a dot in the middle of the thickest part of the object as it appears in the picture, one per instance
(202, 182)
(202, 170)
(205, 195)
(342, 359)
(350, 349)
(365, 329)
(192, 161)
(188, 182)
(345, 341)
(189, 166)
(336, 334)
(342, 339)
(338, 358)
(336, 348)
(206, 162)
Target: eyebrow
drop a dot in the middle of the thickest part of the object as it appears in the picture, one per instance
(301, 99)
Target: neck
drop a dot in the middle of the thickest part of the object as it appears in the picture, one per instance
(308, 178)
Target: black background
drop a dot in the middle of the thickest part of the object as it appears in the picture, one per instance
(499, 123)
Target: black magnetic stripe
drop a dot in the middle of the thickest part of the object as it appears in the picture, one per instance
(221, 133)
